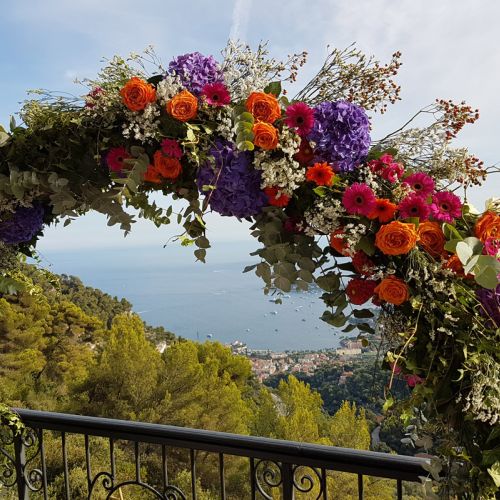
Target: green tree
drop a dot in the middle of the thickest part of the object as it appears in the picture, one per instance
(301, 416)
(123, 382)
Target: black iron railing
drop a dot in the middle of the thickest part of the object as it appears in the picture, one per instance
(270, 468)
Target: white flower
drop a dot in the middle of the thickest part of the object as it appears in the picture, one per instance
(324, 217)
(493, 205)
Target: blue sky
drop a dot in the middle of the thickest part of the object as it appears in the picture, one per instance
(450, 50)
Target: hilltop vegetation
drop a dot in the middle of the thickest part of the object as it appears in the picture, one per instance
(70, 348)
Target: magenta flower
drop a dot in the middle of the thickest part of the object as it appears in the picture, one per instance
(171, 148)
(115, 159)
(300, 117)
(387, 168)
(413, 380)
(446, 206)
(492, 247)
(421, 184)
(393, 172)
(93, 96)
(395, 368)
(359, 199)
(216, 94)
(414, 206)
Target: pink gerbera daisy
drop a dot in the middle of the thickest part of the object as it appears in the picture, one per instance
(414, 206)
(420, 183)
(216, 94)
(359, 199)
(115, 159)
(446, 206)
(300, 117)
(171, 148)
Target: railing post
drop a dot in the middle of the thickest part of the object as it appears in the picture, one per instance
(20, 457)
(287, 477)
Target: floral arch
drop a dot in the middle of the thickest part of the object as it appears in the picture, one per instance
(362, 219)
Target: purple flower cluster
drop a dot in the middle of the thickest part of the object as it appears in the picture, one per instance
(22, 226)
(490, 300)
(237, 192)
(341, 132)
(196, 70)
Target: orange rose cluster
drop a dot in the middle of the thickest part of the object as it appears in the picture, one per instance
(265, 109)
(163, 168)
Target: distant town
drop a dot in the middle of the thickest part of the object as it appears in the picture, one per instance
(266, 363)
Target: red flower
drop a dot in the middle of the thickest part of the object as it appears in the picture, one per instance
(295, 225)
(320, 173)
(338, 242)
(384, 210)
(277, 201)
(305, 154)
(362, 263)
(360, 290)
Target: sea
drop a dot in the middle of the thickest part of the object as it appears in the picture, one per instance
(212, 301)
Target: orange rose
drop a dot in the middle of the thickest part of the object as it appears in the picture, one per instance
(393, 290)
(168, 168)
(338, 243)
(396, 238)
(455, 265)
(431, 238)
(137, 94)
(264, 107)
(152, 175)
(265, 135)
(487, 226)
(183, 106)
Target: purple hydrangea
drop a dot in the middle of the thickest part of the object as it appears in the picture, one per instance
(490, 300)
(22, 225)
(196, 70)
(341, 132)
(237, 191)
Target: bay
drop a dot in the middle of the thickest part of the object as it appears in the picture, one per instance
(201, 301)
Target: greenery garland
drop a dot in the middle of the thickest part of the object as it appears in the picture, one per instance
(363, 219)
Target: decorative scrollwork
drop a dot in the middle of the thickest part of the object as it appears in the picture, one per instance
(9, 470)
(32, 476)
(304, 482)
(171, 492)
(267, 474)
(107, 481)
(8, 473)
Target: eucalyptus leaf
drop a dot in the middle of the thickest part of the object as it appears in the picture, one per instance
(245, 146)
(464, 252)
(487, 278)
(273, 88)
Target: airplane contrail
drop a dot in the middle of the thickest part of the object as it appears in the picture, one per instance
(239, 23)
